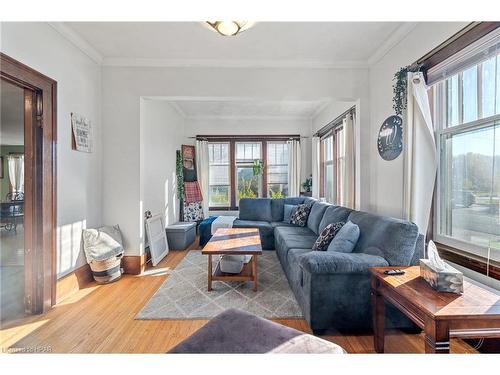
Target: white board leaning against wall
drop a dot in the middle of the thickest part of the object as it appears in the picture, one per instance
(158, 245)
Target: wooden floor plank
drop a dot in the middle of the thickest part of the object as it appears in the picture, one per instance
(100, 319)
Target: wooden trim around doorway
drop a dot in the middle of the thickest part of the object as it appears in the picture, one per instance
(42, 254)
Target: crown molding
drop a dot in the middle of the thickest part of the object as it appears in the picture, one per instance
(77, 41)
(243, 117)
(224, 63)
(394, 39)
(178, 109)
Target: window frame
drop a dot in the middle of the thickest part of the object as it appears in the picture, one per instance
(248, 164)
(228, 176)
(232, 140)
(334, 134)
(275, 142)
(442, 129)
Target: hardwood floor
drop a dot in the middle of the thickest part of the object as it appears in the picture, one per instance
(100, 319)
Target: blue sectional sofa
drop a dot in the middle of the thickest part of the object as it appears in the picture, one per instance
(333, 288)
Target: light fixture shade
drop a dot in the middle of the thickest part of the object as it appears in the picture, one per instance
(230, 28)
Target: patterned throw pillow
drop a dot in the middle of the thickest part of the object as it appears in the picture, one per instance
(326, 236)
(300, 215)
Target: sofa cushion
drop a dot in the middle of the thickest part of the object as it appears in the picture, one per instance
(334, 214)
(287, 238)
(263, 226)
(346, 238)
(300, 214)
(395, 238)
(258, 209)
(294, 201)
(293, 230)
(316, 215)
(328, 262)
(326, 236)
(287, 212)
(277, 206)
(275, 224)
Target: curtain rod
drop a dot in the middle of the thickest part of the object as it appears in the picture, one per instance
(335, 122)
(249, 137)
(464, 37)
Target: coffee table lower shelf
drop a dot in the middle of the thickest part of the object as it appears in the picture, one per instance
(248, 273)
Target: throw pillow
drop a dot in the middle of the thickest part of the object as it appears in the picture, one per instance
(327, 235)
(300, 215)
(289, 209)
(346, 238)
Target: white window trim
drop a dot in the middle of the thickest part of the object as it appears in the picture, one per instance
(481, 251)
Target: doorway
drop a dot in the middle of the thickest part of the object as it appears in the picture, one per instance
(27, 191)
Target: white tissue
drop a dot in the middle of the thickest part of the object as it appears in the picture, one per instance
(434, 258)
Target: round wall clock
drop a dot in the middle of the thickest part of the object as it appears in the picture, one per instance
(390, 138)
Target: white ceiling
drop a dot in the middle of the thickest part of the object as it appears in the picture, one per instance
(11, 114)
(294, 43)
(248, 108)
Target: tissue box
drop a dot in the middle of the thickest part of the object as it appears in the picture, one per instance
(448, 280)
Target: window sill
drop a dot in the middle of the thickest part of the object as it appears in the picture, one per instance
(471, 261)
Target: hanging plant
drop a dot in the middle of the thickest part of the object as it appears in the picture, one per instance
(179, 174)
(258, 167)
(400, 86)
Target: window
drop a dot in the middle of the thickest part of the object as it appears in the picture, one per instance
(467, 118)
(234, 171)
(248, 185)
(218, 175)
(277, 169)
(333, 165)
(328, 168)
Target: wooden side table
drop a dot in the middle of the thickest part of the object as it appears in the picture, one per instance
(474, 314)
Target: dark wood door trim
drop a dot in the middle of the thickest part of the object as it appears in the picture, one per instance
(44, 134)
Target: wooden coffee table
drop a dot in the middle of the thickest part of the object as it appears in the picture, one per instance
(474, 314)
(234, 241)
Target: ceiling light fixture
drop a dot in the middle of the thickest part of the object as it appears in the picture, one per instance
(230, 28)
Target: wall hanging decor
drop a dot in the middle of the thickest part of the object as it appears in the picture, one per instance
(82, 139)
(390, 138)
(192, 208)
(400, 86)
(189, 163)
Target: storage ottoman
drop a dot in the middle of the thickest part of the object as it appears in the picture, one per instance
(236, 331)
(181, 235)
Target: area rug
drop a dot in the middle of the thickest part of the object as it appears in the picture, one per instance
(184, 293)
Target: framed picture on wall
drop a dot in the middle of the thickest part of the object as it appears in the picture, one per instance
(189, 163)
(82, 133)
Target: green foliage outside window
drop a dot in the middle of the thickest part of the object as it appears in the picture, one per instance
(245, 189)
(276, 194)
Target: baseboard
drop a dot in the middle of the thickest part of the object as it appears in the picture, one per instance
(134, 264)
(73, 282)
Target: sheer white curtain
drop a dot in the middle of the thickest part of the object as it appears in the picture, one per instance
(16, 172)
(347, 189)
(202, 166)
(294, 156)
(420, 156)
(315, 166)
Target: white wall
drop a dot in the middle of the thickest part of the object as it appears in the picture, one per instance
(162, 133)
(361, 137)
(124, 86)
(256, 126)
(79, 184)
(330, 113)
(387, 176)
